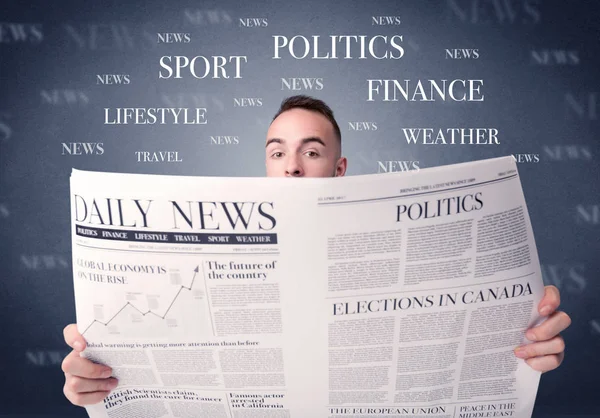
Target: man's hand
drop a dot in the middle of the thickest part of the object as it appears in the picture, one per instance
(548, 349)
(86, 382)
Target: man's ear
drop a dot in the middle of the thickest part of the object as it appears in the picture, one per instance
(340, 167)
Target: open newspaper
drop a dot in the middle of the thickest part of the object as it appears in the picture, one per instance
(395, 295)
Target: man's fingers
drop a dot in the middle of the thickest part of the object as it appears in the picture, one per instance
(555, 324)
(554, 346)
(82, 399)
(550, 302)
(86, 382)
(546, 363)
(76, 384)
(73, 338)
(78, 366)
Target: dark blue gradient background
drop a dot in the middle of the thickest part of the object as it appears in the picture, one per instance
(537, 108)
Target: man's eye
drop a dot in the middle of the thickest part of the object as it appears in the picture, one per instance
(312, 154)
(277, 154)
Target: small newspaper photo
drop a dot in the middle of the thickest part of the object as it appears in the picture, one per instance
(383, 295)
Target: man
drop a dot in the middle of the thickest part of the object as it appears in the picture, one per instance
(304, 140)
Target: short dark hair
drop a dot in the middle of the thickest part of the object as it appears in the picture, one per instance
(309, 103)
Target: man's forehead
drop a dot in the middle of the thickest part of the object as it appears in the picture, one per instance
(296, 125)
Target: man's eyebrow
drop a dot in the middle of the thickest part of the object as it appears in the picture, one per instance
(313, 139)
(304, 141)
(274, 140)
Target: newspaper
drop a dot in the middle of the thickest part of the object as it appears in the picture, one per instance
(395, 295)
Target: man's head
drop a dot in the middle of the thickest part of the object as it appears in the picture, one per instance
(304, 140)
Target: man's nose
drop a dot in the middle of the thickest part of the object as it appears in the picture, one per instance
(294, 168)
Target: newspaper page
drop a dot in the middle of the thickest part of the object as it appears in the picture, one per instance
(396, 295)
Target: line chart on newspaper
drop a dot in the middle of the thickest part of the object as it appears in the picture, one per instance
(395, 295)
